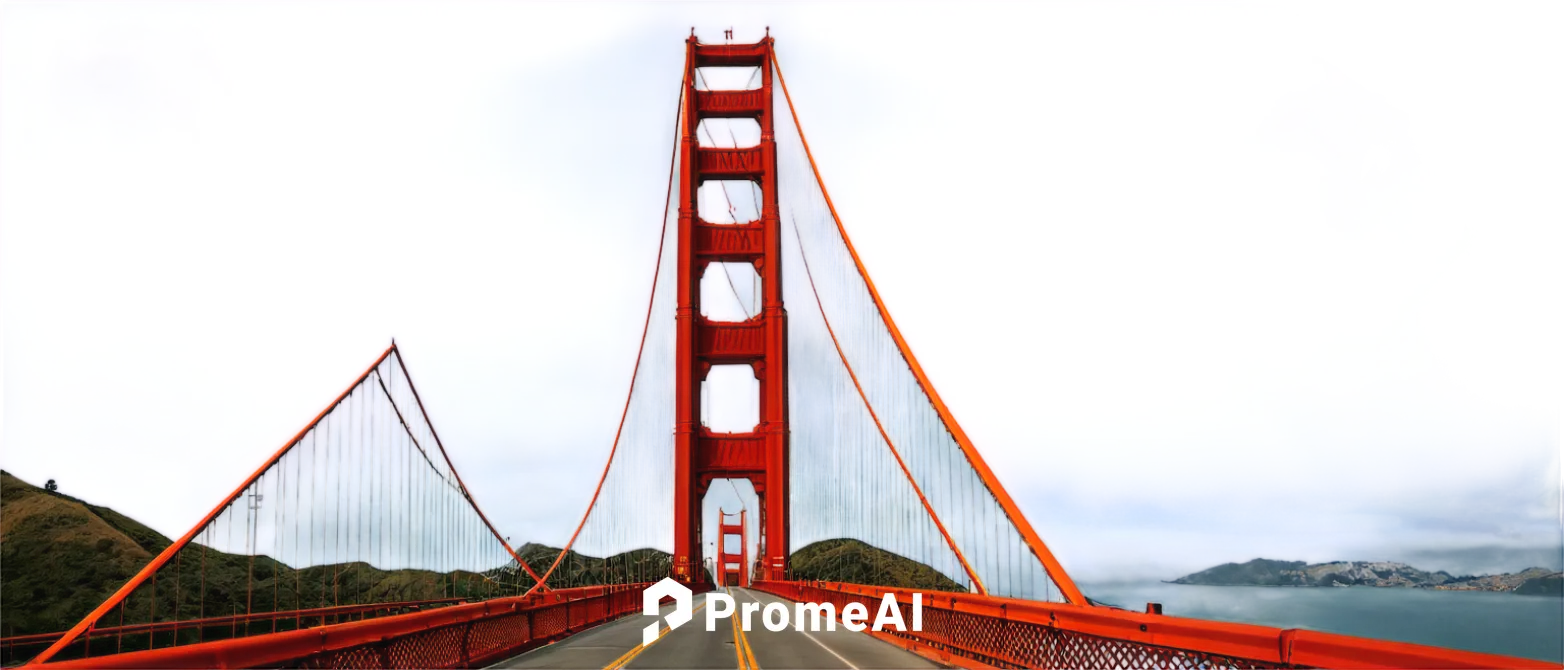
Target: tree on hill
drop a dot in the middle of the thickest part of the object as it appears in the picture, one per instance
(50, 486)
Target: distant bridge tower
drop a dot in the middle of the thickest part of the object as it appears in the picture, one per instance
(733, 565)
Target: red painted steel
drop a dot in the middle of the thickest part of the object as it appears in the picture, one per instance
(738, 573)
(686, 413)
(470, 635)
(720, 343)
(775, 531)
(732, 55)
(730, 242)
(729, 104)
(321, 613)
(729, 455)
(984, 631)
(730, 163)
(699, 455)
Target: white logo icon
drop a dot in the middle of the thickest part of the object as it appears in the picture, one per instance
(651, 601)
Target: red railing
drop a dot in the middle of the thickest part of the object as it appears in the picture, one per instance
(455, 636)
(19, 648)
(985, 631)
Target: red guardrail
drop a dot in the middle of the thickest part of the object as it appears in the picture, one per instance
(467, 635)
(12, 648)
(985, 631)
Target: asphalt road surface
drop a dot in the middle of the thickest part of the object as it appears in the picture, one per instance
(617, 645)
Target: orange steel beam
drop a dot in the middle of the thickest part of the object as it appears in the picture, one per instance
(538, 581)
(168, 553)
(972, 574)
(1051, 564)
(686, 415)
(645, 327)
(1261, 645)
(591, 605)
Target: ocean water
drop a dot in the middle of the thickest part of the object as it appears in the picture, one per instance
(1496, 623)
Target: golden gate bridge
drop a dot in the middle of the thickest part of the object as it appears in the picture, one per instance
(356, 544)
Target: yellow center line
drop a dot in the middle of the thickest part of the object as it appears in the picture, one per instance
(741, 642)
(738, 644)
(637, 649)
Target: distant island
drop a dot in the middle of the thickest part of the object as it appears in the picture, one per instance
(1266, 572)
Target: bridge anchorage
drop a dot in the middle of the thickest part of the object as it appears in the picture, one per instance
(357, 545)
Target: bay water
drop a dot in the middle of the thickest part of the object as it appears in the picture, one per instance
(1495, 623)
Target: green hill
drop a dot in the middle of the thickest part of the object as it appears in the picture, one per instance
(576, 569)
(62, 557)
(843, 560)
(828, 560)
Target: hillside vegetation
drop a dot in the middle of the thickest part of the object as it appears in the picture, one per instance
(843, 560)
(60, 557)
(575, 569)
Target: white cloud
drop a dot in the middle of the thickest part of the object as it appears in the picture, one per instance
(1158, 258)
(1181, 260)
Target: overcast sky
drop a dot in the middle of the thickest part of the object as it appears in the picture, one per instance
(1203, 281)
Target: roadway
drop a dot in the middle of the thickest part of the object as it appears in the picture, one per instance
(617, 645)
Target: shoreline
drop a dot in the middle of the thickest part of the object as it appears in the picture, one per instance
(1409, 587)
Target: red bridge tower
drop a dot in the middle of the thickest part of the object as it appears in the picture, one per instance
(733, 566)
(700, 455)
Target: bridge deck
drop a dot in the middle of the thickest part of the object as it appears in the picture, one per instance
(691, 646)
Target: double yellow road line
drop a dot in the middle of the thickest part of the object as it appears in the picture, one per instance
(746, 656)
(741, 644)
(741, 649)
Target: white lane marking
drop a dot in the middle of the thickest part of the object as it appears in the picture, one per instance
(812, 638)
